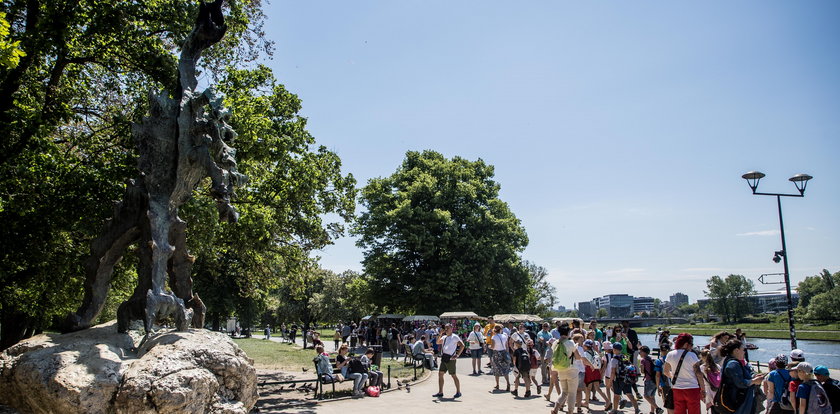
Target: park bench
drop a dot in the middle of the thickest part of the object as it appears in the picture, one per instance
(322, 379)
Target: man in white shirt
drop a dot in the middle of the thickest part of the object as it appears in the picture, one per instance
(688, 386)
(451, 347)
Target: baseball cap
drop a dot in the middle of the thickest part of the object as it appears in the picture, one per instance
(590, 343)
(618, 346)
(821, 370)
(805, 367)
(797, 355)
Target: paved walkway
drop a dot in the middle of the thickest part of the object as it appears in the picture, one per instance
(478, 396)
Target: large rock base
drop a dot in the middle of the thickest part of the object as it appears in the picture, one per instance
(97, 370)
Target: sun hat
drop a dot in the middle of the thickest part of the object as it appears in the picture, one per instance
(797, 355)
(821, 370)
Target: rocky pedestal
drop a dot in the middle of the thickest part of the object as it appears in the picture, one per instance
(98, 370)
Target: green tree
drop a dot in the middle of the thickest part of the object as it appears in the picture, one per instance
(10, 52)
(812, 286)
(729, 296)
(66, 148)
(602, 313)
(818, 296)
(540, 295)
(66, 108)
(342, 298)
(292, 187)
(437, 230)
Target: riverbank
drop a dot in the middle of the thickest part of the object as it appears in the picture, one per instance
(827, 332)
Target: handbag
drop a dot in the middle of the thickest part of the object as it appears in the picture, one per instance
(728, 398)
(668, 396)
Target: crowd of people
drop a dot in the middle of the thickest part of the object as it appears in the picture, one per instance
(583, 366)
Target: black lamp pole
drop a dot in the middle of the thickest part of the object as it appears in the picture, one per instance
(801, 181)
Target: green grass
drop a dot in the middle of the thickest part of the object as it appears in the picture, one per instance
(292, 358)
(759, 330)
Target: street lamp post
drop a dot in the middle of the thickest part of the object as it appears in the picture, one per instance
(801, 181)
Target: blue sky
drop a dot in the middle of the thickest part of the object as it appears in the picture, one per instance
(618, 130)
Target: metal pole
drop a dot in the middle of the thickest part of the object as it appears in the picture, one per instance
(787, 277)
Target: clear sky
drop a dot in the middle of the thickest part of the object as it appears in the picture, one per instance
(619, 131)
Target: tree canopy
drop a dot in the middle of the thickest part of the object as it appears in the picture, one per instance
(437, 237)
(68, 96)
(819, 297)
(728, 296)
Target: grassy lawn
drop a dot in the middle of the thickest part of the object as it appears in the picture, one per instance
(759, 330)
(292, 358)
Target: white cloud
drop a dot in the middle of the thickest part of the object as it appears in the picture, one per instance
(760, 233)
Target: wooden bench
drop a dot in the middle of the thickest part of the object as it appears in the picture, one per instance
(322, 378)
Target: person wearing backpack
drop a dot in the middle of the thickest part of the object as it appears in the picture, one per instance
(737, 383)
(778, 394)
(682, 366)
(663, 384)
(831, 386)
(564, 354)
(811, 395)
(623, 374)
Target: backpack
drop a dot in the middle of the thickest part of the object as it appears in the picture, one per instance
(560, 359)
(626, 370)
(818, 402)
(785, 402)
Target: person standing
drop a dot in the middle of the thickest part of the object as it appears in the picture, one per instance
(451, 347)
(476, 340)
(267, 332)
(543, 338)
(683, 367)
(345, 332)
(650, 379)
(831, 386)
(738, 374)
(500, 361)
(777, 382)
(394, 341)
(663, 383)
(564, 355)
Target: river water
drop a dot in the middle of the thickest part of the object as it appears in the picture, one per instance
(816, 352)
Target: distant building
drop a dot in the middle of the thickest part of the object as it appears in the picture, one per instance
(643, 304)
(586, 309)
(617, 306)
(679, 299)
(765, 302)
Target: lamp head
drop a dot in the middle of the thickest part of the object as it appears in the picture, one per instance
(753, 177)
(777, 257)
(800, 181)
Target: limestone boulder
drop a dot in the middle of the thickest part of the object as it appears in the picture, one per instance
(98, 370)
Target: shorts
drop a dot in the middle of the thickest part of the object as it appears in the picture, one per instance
(650, 388)
(448, 366)
(475, 353)
(620, 387)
